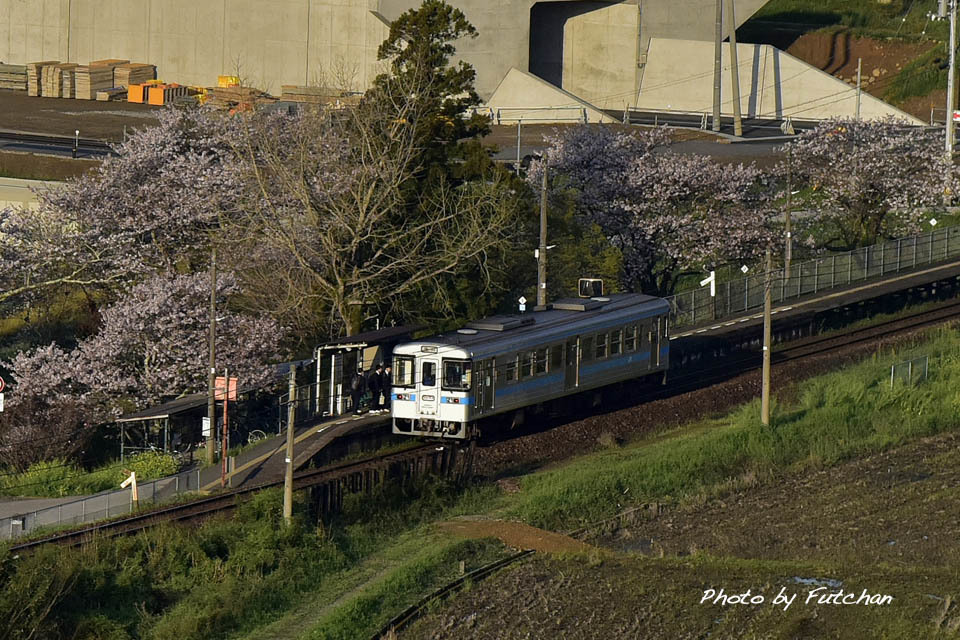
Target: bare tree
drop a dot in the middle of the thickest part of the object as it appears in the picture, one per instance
(332, 221)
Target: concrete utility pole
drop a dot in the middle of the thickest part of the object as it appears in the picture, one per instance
(788, 240)
(211, 376)
(767, 319)
(542, 253)
(859, 85)
(951, 79)
(735, 70)
(717, 66)
(288, 474)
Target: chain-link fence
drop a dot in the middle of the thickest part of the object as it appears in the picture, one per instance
(811, 276)
(98, 507)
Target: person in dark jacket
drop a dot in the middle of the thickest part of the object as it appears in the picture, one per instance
(358, 387)
(387, 385)
(375, 384)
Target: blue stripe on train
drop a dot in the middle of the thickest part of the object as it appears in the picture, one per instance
(449, 400)
(410, 396)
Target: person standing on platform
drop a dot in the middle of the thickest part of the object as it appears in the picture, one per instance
(357, 388)
(375, 383)
(387, 379)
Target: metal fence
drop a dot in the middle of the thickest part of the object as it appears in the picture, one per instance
(102, 505)
(811, 276)
(910, 371)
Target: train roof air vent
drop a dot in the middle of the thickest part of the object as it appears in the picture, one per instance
(501, 323)
(578, 304)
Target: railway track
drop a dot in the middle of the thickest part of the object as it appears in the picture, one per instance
(802, 349)
(698, 377)
(680, 383)
(227, 501)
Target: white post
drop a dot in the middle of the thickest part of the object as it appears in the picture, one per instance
(859, 85)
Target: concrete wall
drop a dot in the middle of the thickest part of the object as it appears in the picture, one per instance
(600, 51)
(277, 42)
(270, 42)
(679, 76)
(524, 96)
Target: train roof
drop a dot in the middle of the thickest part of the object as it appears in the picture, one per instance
(565, 318)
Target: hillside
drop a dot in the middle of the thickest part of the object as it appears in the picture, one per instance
(901, 46)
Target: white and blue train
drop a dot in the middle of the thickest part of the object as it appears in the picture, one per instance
(444, 385)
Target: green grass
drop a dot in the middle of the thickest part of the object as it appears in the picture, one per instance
(900, 18)
(57, 478)
(251, 577)
(918, 78)
(838, 416)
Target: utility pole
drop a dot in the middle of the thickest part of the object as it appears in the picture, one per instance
(951, 80)
(211, 376)
(717, 66)
(288, 475)
(735, 70)
(542, 252)
(519, 125)
(767, 318)
(788, 248)
(859, 85)
(224, 436)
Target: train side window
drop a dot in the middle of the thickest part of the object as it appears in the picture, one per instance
(526, 364)
(601, 345)
(615, 342)
(510, 369)
(540, 363)
(456, 375)
(556, 357)
(586, 349)
(403, 368)
(643, 340)
(630, 338)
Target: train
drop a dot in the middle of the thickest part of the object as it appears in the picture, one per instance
(448, 385)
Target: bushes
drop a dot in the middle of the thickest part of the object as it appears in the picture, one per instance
(56, 478)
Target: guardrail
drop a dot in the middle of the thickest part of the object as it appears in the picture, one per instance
(100, 506)
(811, 276)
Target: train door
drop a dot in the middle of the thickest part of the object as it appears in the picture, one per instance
(486, 385)
(570, 377)
(654, 343)
(429, 397)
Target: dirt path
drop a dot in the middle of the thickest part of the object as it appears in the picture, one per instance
(517, 535)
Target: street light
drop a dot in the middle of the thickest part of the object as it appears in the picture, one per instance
(76, 142)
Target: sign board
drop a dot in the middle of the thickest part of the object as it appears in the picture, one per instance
(956, 116)
(523, 308)
(1, 402)
(220, 386)
(205, 428)
(3, 384)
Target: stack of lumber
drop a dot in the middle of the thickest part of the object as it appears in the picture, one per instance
(133, 73)
(56, 80)
(319, 95)
(239, 98)
(67, 84)
(13, 76)
(90, 79)
(33, 76)
(116, 93)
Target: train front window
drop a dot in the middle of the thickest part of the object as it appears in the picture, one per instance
(403, 370)
(428, 376)
(456, 375)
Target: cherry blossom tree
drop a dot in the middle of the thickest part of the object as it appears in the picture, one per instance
(665, 212)
(144, 211)
(869, 180)
(152, 346)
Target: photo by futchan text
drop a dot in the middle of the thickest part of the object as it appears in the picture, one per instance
(784, 598)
